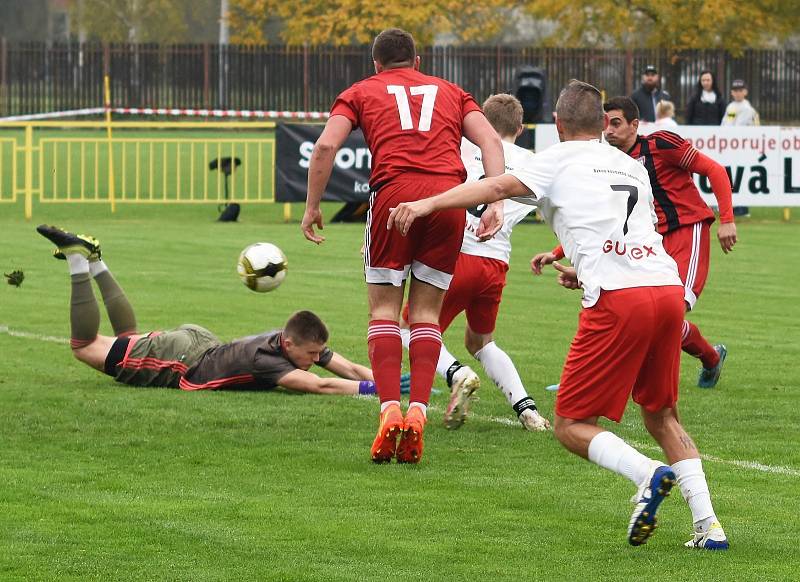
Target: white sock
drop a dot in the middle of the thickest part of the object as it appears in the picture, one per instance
(77, 264)
(387, 404)
(611, 452)
(694, 488)
(97, 267)
(405, 336)
(420, 405)
(446, 359)
(502, 371)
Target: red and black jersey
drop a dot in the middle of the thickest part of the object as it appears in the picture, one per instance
(669, 159)
(412, 122)
(256, 362)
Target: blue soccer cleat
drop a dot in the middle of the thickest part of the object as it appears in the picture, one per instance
(652, 493)
(712, 539)
(710, 376)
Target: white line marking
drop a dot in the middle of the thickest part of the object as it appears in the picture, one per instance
(505, 421)
(34, 336)
(752, 465)
(755, 465)
(779, 469)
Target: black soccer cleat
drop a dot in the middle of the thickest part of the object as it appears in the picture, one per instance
(69, 243)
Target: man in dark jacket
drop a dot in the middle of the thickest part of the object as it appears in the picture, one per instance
(649, 94)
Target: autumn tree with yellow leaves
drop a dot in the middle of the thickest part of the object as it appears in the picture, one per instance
(671, 24)
(342, 22)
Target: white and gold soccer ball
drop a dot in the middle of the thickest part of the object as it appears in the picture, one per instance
(262, 267)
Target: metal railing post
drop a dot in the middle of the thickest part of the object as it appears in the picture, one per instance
(28, 172)
(111, 193)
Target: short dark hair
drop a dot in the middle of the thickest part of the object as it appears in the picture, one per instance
(504, 112)
(394, 47)
(630, 110)
(304, 327)
(580, 108)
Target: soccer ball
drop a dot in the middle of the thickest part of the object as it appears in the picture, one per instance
(262, 267)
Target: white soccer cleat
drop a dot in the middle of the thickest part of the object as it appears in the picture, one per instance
(712, 539)
(533, 421)
(465, 383)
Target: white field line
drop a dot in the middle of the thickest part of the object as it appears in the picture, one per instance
(33, 336)
(754, 465)
(505, 421)
(742, 464)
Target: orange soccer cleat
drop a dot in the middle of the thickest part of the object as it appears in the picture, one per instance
(411, 444)
(390, 427)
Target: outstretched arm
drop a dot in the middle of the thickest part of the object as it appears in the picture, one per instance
(344, 368)
(320, 167)
(464, 195)
(303, 381)
(479, 131)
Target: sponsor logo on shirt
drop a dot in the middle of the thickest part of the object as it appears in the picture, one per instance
(633, 251)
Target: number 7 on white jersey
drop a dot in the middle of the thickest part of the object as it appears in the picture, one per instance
(428, 93)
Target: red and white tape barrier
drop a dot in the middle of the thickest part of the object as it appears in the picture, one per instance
(55, 114)
(223, 113)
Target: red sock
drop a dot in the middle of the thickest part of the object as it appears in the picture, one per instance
(694, 344)
(423, 352)
(386, 357)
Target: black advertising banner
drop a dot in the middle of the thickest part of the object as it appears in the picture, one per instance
(350, 178)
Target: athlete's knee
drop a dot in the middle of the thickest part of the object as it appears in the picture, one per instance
(82, 353)
(575, 434)
(562, 428)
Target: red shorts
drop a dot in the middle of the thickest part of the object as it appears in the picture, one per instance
(689, 246)
(476, 288)
(431, 247)
(627, 342)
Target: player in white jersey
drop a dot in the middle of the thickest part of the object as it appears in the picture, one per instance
(600, 205)
(478, 282)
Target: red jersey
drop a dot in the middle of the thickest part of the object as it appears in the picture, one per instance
(668, 159)
(412, 122)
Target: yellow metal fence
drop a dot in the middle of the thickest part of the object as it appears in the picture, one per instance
(141, 162)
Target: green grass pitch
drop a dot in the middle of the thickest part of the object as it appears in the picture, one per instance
(103, 481)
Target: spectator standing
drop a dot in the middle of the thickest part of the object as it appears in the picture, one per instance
(649, 94)
(739, 111)
(706, 106)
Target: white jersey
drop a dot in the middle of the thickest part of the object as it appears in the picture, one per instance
(740, 113)
(599, 203)
(498, 247)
